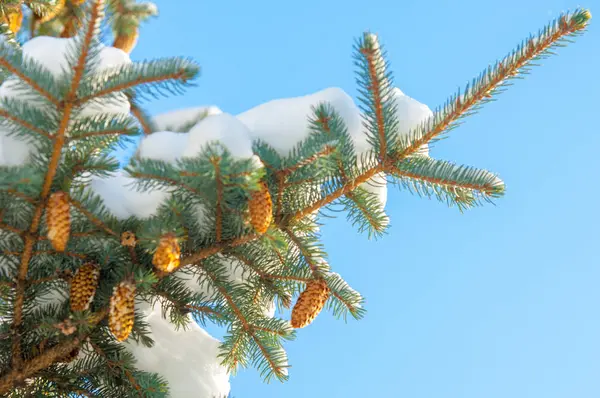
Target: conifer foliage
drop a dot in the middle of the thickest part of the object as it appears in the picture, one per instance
(57, 235)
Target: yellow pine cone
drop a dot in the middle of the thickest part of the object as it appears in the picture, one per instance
(167, 255)
(83, 287)
(58, 220)
(310, 303)
(120, 314)
(52, 11)
(128, 239)
(126, 42)
(13, 17)
(261, 209)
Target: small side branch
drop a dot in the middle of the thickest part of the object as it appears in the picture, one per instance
(215, 249)
(24, 123)
(219, 205)
(348, 187)
(140, 115)
(490, 80)
(302, 249)
(44, 360)
(93, 219)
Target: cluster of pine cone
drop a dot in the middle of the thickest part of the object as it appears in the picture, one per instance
(166, 259)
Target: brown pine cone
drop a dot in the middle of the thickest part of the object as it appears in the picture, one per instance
(167, 255)
(83, 287)
(261, 209)
(126, 42)
(58, 220)
(310, 303)
(120, 315)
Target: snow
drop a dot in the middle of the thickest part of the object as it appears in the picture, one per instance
(411, 113)
(269, 310)
(283, 123)
(176, 120)
(122, 198)
(13, 152)
(167, 146)
(187, 359)
(224, 128)
(377, 186)
(53, 52)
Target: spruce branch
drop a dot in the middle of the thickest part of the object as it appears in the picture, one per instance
(93, 219)
(494, 79)
(311, 256)
(252, 337)
(153, 78)
(446, 180)
(312, 159)
(143, 118)
(59, 141)
(102, 125)
(19, 195)
(219, 202)
(254, 259)
(10, 118)
(361, 207)
(348, 186)
(29, 72)
(201, 310)
(364, 209)
(44, 360)
(344, 300)
(269, 359)
(149, 180)
(9, 228)
(216, 248)
(376, 85)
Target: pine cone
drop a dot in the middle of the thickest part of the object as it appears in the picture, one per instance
(83, 287)
(310, 303)
(126, 42)
(120, 315)
(128, 239)
(167, 255)
(58, 220)
(261, 209)
(13, 15)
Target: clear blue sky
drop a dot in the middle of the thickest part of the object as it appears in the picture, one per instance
(502, 301)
